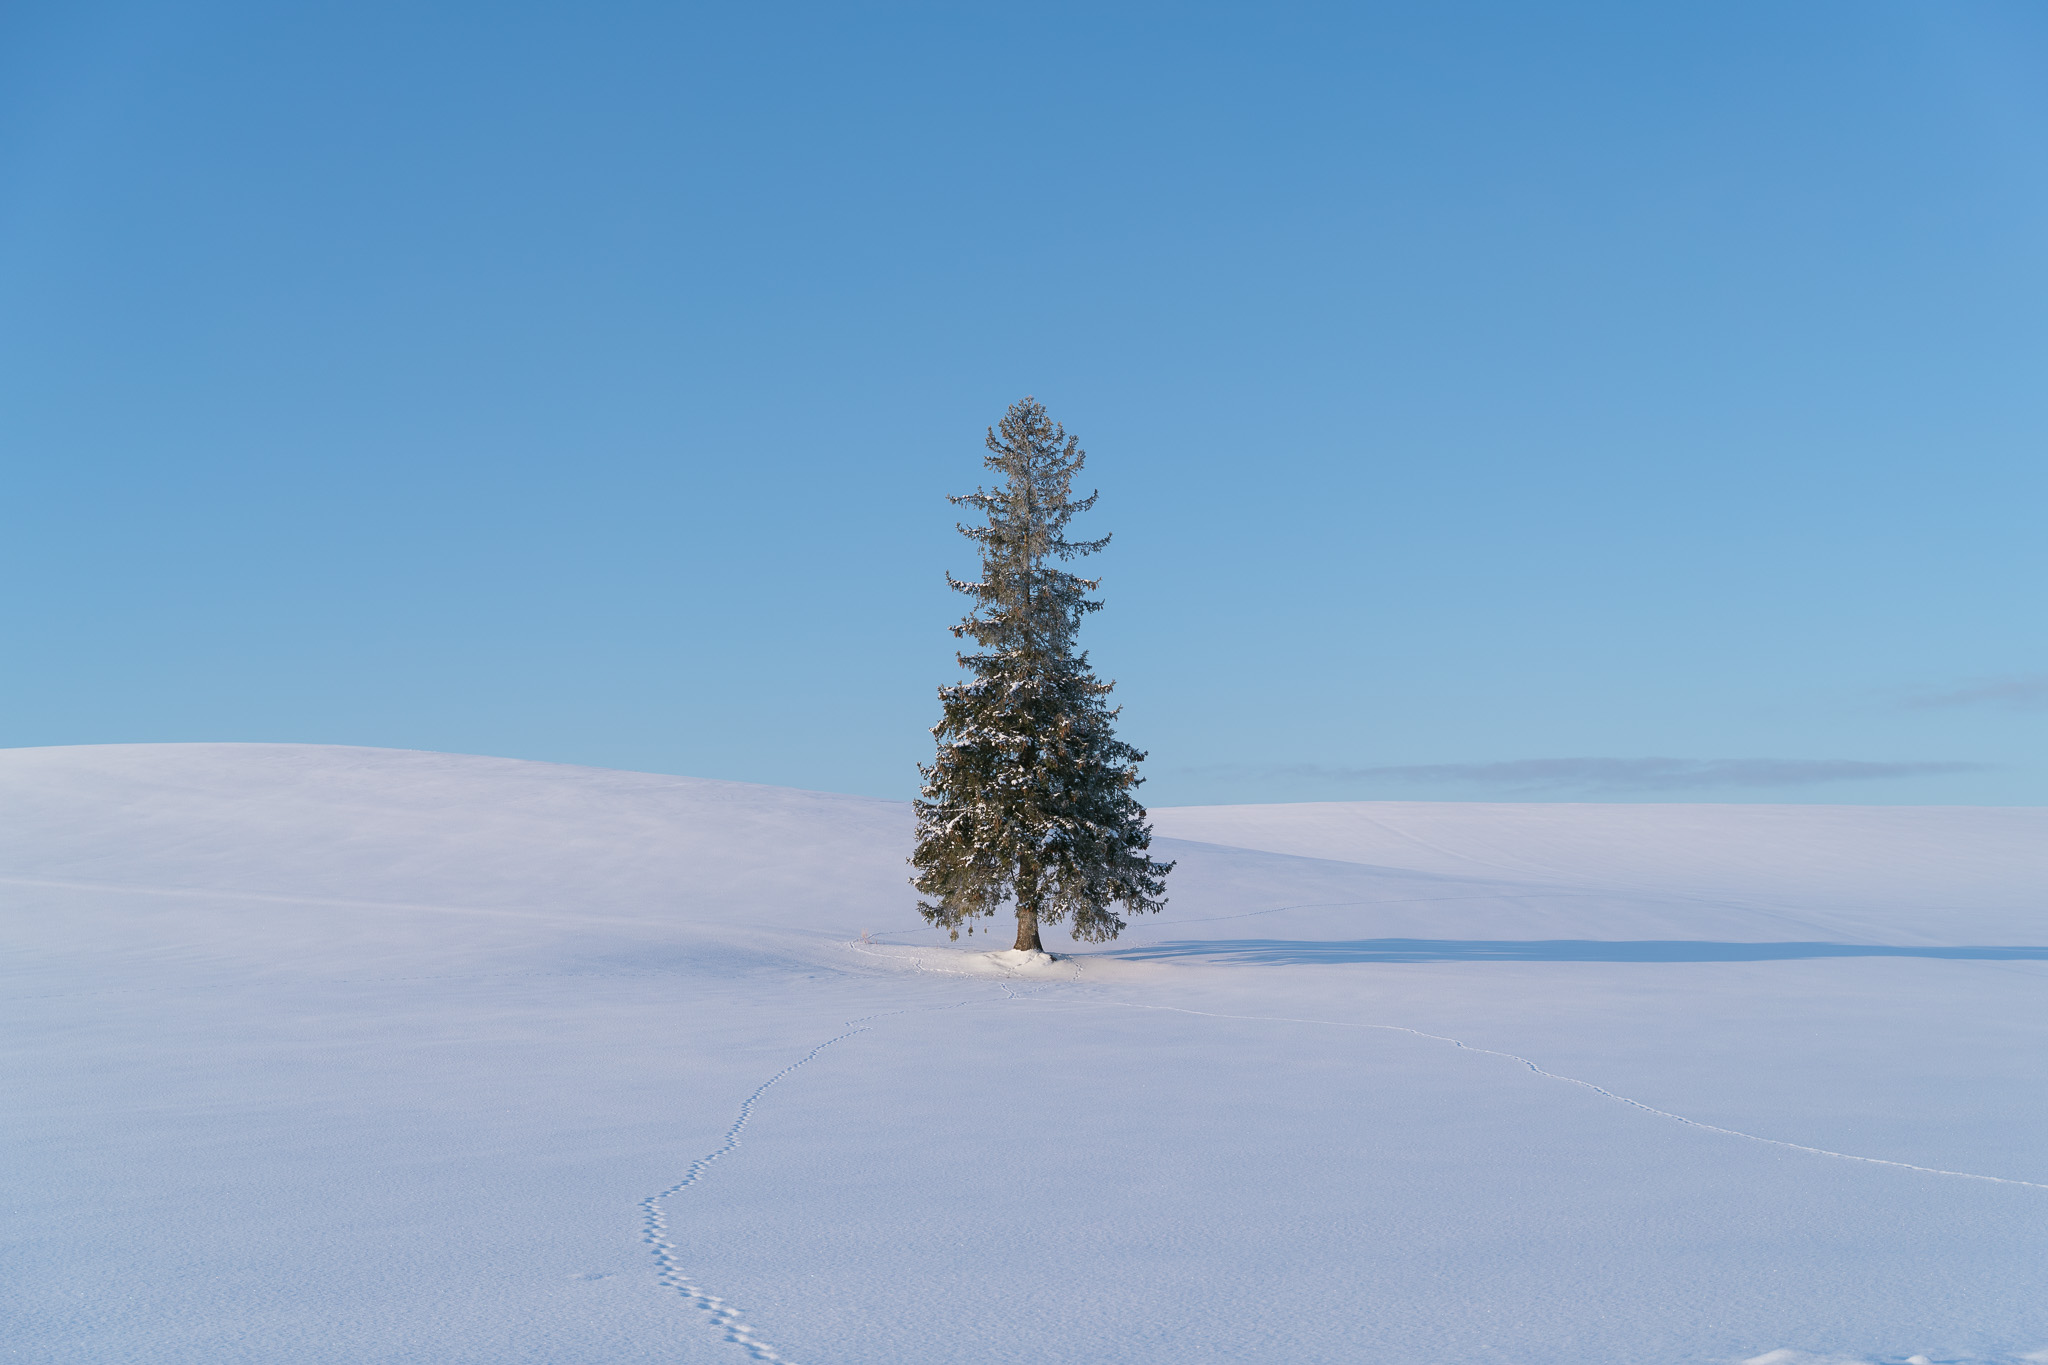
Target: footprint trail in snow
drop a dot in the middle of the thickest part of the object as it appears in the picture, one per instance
(1596, 1089)
(1600, 1090)
(654, 1226)
(722, 1315)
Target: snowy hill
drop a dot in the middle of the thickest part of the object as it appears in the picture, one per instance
(342, 1055)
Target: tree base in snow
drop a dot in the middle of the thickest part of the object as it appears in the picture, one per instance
(1021, 959)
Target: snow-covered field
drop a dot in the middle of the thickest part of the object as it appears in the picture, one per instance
(322, 1055)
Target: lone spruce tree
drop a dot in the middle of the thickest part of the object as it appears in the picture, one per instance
(1030, 798)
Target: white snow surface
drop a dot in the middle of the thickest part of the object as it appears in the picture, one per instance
(341, 1055)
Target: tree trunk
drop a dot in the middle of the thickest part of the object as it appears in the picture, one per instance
(1027, 905)
(1027, 930)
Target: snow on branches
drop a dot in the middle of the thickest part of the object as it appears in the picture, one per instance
(1030, 797)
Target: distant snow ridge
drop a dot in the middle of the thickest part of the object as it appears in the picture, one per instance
(669, 1271)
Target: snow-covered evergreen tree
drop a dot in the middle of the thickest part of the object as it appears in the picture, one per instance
(1030, 798)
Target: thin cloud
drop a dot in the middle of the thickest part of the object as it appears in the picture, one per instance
(2028, 692)
(1616, 774)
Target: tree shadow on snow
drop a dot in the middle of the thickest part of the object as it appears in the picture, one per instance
(1291, 951)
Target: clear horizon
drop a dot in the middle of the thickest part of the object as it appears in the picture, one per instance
(1592, 405)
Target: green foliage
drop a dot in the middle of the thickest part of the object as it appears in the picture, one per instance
(1031, 795)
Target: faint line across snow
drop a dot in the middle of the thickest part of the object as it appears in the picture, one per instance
(1547, 1075)
(1596, 1089)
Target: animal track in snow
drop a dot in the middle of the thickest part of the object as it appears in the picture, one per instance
(1598, 1090)
(654, 1212)
(654, 1223)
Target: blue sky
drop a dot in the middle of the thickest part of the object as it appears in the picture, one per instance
(1489, 401)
